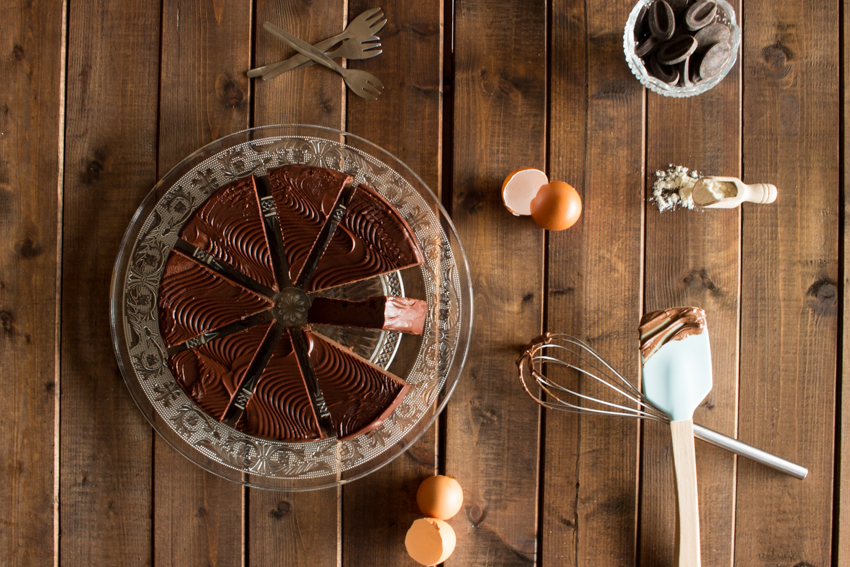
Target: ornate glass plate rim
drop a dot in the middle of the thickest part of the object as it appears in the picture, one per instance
(139, 349)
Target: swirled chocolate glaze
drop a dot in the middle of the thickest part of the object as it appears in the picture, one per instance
(194, 300)
(229, 226)
(660, 327)
(304, 197)
(359, 395)
(372, 239)
(280, 408)
(210, 373)
(387, 313)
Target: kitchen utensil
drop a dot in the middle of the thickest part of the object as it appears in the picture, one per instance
(432, 362)
(738, 192)
(367, 24)
(676, 378)
(570, 353)
(361, 83)
(360, 47)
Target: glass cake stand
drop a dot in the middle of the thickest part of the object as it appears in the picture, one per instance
(431, 363)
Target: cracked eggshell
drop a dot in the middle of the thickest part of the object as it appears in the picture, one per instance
(430, 541)
(520, 187)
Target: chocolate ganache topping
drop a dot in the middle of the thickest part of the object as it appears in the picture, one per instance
(359, 395)
(660, 327)
(304, 197)
(280, 407)
(372, 239)
(229, 226)
(232, 349)
(194, 300)
(210, 373)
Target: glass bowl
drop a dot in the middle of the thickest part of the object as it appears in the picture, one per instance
(431, 363)
(725, 14)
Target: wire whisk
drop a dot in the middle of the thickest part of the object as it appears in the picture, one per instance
(567, 352)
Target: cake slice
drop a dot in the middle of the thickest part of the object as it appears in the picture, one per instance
(229, 226)
(387, 313)
(280, 407)
(194, 300)
(358, 394)
(210, 373)
(372, 239)
(304, 197)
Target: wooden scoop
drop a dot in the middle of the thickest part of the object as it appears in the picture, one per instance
(676, 378)
(730, 192)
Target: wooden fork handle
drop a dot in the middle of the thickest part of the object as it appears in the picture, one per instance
(685, 469)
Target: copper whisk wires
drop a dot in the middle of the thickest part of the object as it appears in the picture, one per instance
(574, 354)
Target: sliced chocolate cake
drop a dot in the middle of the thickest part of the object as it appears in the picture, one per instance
(230, 326)
(229, 226)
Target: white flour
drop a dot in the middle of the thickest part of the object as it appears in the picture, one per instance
(674, 188)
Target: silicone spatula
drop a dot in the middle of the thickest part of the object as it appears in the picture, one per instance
(676, 378)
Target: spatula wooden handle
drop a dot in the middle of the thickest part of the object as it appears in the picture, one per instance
(685, 468)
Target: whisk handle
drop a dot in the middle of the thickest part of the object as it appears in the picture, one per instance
(750, 452)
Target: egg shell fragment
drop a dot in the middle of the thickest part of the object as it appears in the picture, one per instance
(520, 187)
(430, 541)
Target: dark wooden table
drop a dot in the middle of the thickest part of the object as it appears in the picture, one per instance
(99, 98)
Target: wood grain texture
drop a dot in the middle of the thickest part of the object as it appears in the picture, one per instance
(299, 528)
(789, 280)
(32, 40)
(206, 48)
(692, 258)
(110, 157)
(590, 475)
(499, 126)
(841, 547)
(406, 121)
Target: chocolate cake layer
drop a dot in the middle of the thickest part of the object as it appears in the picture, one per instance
(359, 395)
(388, 313)
(304, 197)
(280, 407)
(371, 239)
(210, 373)
(193, 300)
(229, 226)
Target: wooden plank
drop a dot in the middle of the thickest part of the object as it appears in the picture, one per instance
(789, 301)
(32, 43)
(499, 126)
(842, 517)
(406, 121)
(590, 475)
(300, 528)
(111, 139)
(206, 49)
(692, 259)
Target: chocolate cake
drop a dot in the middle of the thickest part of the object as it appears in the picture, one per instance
(388, 313)
(236, 317)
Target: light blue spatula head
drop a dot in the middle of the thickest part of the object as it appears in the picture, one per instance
(677, 377)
